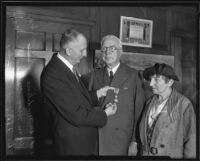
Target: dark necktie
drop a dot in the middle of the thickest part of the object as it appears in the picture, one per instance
(111, 77)
(75, 73)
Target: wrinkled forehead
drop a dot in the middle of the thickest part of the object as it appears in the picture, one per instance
(78, 42)
(111, 41)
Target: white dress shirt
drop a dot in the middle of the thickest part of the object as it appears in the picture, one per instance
(113, 69)
(66, 62)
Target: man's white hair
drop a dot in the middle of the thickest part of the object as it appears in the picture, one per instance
(112, 37)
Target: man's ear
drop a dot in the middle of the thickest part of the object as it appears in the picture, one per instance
(67, 50)
(171, 82)
(120, 52)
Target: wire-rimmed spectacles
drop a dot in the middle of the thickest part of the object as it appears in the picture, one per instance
(110, 48)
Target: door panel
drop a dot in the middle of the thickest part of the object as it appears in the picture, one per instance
(27, 101)
(189, 64)
(30, 40)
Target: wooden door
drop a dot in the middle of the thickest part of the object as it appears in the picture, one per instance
(184, 49)
(26, 55)
(31, 39)
(189, 66)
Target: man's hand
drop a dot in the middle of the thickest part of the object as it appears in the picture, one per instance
(111, 109)
(132, 150)
(103, 91)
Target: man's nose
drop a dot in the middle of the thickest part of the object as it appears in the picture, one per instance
(152, 82)
(84, 53)
(107, 51)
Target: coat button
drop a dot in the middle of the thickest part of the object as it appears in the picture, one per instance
(162, 145)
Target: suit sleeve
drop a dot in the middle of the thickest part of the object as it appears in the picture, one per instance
(61, 93)
(139, 105)
(87, 80)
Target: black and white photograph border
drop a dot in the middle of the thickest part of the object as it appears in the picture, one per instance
(19, 23)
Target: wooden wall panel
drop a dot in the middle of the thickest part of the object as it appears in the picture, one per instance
(30, 40)
(76, 12)
(109, 21)
(72, 12)
(9, 88)
(185, 19)
(27, 101)
(27, 22)
(189, 84)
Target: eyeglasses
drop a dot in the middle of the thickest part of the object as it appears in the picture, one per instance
(110, 48)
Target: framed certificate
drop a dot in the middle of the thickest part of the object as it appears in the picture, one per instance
(136, 32)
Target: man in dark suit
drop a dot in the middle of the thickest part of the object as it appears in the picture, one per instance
(118, 136)
(74, 119)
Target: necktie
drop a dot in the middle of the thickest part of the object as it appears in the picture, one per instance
(111, 77)
(75, 73)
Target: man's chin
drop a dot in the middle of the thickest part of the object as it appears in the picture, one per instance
(109, 63)
(78, 61)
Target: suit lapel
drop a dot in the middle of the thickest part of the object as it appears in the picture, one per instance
(84, 90)
(163, 121)
(78, 84)
(145, 123)
(120, 76)
(103, 77)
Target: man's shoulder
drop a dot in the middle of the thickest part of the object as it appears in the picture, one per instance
(128, 68)
(52, 64)
(55, 67)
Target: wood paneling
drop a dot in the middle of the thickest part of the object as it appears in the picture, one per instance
(185, 18)
(185, 51)
(109, 21)
(30, 40)
(139, 61)
(9, 87)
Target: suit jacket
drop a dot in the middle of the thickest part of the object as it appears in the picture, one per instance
(70, 107)
(119, 132)
(174, 133)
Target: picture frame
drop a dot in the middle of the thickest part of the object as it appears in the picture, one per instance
(136, 32)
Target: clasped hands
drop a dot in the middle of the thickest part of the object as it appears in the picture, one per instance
(110, 108)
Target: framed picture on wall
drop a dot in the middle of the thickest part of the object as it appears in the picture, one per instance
(136, 32)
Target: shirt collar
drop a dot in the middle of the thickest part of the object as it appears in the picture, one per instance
(65, 61)
(113, 69)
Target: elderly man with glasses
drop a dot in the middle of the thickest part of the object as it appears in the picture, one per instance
(118, 137)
